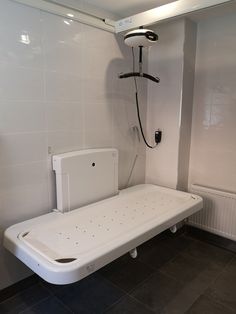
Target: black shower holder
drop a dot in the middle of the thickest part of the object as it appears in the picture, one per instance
(140, 73)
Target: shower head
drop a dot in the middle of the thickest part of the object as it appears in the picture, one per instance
(141, 38)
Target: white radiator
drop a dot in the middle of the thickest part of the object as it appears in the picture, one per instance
(218, 214)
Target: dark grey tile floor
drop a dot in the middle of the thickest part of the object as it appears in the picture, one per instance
(173, 274)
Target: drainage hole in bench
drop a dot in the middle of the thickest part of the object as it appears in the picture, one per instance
(65, 260)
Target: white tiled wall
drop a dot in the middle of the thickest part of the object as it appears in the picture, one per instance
(59, 88)
(169, 104)
(213, 147)
(164, 103)
(187, 104)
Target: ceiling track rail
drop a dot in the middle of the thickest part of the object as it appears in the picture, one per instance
(165, 12)
(70, 13)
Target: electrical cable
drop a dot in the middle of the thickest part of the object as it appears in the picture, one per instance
(137, 106)
(132, 170)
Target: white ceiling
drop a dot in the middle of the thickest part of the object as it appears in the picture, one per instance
(124, 8)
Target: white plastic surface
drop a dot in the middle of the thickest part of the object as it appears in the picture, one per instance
(94, 235)
(134, 39)
(165, 12)
(71, 13)
(85, 176)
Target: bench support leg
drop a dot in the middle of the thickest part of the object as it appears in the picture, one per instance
(133, 253)
(173, 229)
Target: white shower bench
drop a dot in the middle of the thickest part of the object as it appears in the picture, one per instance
(65, 247)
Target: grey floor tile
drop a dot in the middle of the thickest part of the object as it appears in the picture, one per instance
(196, 276)
(159, 238)
(231, 267)
(156, 256)
(223, 290)
(160, 251)
(54, 288)
(205, 305)
(179, 242)
(181, 302)
(24, 299)
(194, 273)
(157, 291)
(93, 294)
(209, 253)
(128, 305)
(49, 306)
(126, 272)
